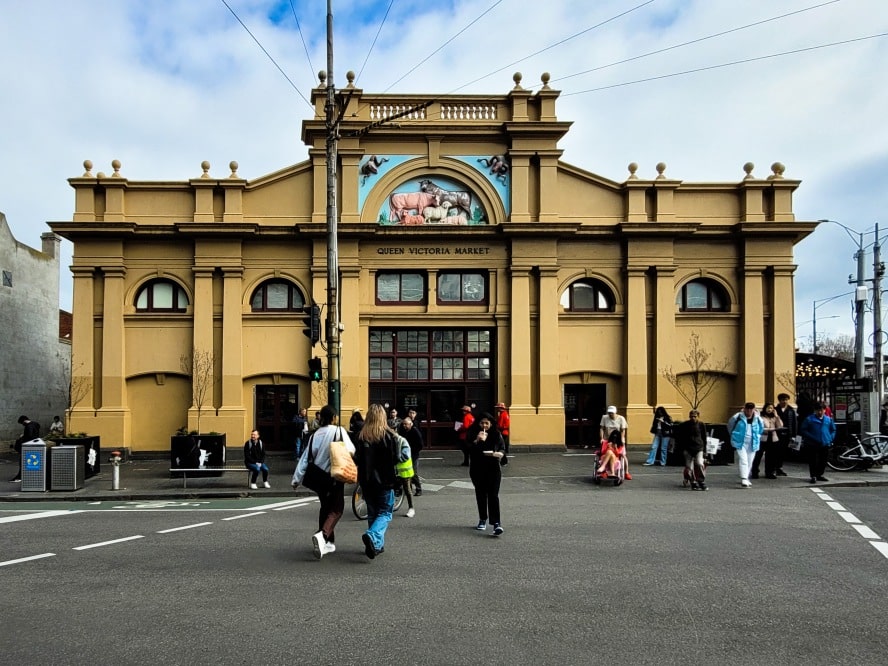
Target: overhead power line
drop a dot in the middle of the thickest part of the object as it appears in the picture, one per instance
(259, 44)
(304, 45)
(726, 64)
(364, 64)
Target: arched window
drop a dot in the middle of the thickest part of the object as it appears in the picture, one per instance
(702, 295)
(587, 295)
(277, 296)
(161, 296)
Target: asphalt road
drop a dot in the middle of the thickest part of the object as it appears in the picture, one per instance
(583, 575)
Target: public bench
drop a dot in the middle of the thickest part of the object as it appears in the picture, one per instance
(207, 471)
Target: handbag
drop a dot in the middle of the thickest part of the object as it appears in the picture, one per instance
(795, 443)
(342, 466)
(316, 478)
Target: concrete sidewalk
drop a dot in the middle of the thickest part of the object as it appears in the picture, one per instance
(150, 478)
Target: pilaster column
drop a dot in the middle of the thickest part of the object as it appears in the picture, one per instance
(83, 339)
(202, 310)
(353, 367)
(520, 344)
(549, 377)
(665, 334)
(635, 339)
(113, 348)
(753, 344)
(232, 338)
(782, 340)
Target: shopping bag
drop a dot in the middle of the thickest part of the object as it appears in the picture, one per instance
(342, 466)
(795, 443)
(713, 444)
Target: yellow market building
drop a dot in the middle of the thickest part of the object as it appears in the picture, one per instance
(475, 267)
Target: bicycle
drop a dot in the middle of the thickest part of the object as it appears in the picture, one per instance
(359, 504)
(858, 453)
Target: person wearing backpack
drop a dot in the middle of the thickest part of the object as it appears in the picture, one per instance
(378, 450)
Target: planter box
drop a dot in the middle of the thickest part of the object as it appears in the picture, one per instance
(196, 452)
(91, 452)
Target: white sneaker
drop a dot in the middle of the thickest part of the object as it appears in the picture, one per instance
(267, 484)
(411, 512)
(329, 548)
(745, 483)
(253, 486)
(319, 545)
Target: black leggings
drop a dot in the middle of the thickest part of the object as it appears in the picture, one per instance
(487, 485)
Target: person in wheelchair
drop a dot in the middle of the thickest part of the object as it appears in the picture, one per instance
(612, 453)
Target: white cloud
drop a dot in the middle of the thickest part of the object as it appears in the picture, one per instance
(163, 86)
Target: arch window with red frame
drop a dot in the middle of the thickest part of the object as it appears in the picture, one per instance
(588, 295)
(277, 296)
(161, 295)
(702, 295)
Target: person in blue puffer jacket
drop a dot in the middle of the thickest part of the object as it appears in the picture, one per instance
(818, 432)
(746, 428)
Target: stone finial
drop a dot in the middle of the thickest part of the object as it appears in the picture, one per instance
(350, 77)
(545, 78)
(87, 169)
(748, 167)
(661, 168)
(233, 166)
(633, 167)
(100, 175)
(777, 168)
(206, 169)
(115, 164)
(516, 77)
(322, 77)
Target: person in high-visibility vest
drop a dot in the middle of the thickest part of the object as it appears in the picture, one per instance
(404, 472)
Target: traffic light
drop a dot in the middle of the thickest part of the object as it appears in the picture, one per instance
(312, 321)
(315, 372)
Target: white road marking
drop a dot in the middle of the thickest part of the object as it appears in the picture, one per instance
(849, 517)
(108, 543)
(42, 514)
(184, 527)
(26, 559)
(461, 484)
(881, 546)
(825, 497)
(835, 505)
(431, 486)
(865, 532)
(245, 515)
(301, 500)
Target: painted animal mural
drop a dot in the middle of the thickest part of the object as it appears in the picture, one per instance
(402, 203)
(371, 167)
(458, 199)
(498, 166)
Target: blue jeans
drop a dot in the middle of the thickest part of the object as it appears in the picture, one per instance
(379, 515)
(660, 442)
(256, 468)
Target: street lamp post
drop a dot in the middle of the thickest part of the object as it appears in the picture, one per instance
(859, 298)
(817, 304)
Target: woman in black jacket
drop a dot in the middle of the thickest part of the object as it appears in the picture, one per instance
(486, 448)
(661, 429)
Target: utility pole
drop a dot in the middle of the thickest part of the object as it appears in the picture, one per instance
(332, 123)
(878, 271)
(860, 307)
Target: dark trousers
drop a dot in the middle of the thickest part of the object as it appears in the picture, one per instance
(768, 451)
(487, 485)
(414, 455)
(332, 506)
(817, 455)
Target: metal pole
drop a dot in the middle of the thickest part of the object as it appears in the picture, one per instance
(878, 270)
(860, 303)
(814, 326)
(333, 397)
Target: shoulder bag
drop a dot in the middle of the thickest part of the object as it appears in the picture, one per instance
(316, 478)
(342, 466)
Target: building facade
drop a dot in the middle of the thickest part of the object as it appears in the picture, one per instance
(35, 360)
(474, 267)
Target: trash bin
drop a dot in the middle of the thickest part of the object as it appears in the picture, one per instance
(68, 467)
(35, 466)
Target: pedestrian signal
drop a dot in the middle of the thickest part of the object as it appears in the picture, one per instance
(315, 369)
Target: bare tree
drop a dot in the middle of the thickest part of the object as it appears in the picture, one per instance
(702, 376)
(201, 366)
(787, 381)
(79, 386)
(837, 346)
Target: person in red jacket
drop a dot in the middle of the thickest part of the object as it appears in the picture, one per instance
(467, 421)
(503, 421)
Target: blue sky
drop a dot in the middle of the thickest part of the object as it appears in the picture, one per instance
(164, 85)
